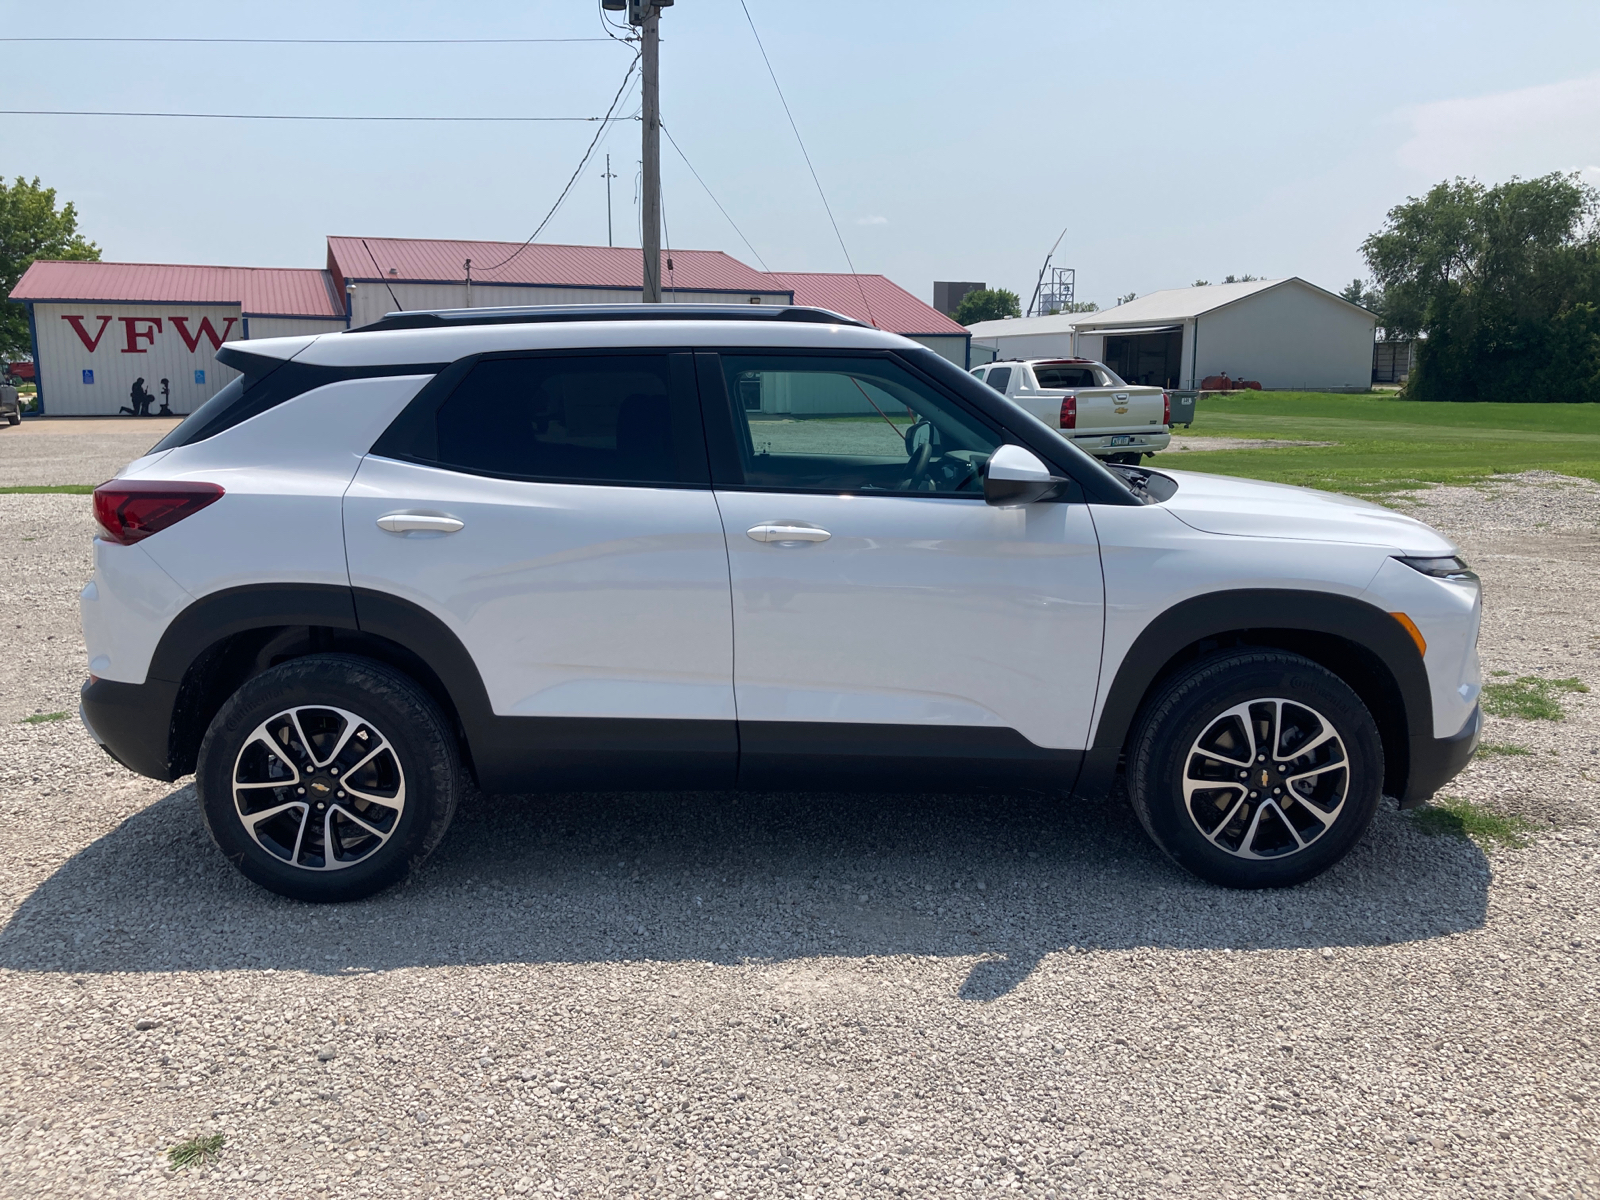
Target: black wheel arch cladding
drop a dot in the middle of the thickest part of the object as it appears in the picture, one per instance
(1358, 642)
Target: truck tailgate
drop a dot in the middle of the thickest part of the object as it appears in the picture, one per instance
(1131, 409)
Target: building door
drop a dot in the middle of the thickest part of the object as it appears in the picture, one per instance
(1155, 359)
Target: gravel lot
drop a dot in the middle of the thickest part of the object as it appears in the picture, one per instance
(61, 450)
(811, 996)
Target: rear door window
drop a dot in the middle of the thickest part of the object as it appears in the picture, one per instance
(1066, 376)
(610, 418)
(999, 378)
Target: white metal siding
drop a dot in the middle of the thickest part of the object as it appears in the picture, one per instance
(1291, 336)
(63, 355)
(270, 327)
(372, 300)
(952, 347)
(1033, 345)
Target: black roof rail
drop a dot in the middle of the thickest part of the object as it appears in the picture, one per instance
(533, 314)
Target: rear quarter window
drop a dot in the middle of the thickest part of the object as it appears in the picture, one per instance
(265, 383)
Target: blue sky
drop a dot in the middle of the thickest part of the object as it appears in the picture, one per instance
(1175, 141)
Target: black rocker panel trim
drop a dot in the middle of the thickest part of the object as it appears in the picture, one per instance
(784, 755)
(1383, 659)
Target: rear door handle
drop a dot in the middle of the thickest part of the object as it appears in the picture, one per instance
(404, 522)
(787, 531)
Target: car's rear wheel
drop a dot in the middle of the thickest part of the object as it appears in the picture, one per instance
(328, 778)
(1256, 769)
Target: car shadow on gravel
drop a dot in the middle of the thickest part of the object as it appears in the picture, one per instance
(731, 878)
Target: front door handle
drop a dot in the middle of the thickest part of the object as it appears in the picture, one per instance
(787, 531)
(404, 522)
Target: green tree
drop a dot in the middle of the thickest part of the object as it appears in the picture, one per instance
(1369, 298)
(1501, 284)
(32, 227)
(988, 304)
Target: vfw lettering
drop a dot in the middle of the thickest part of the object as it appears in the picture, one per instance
(139, 333)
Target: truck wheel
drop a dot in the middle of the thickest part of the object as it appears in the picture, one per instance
(1256, 769)
(328, 778)
(14, 418)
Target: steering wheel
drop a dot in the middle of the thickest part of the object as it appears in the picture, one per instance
(921, 454)
(920, 457)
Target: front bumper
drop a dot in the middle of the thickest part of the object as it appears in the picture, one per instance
(1436, 761)
(132, 721)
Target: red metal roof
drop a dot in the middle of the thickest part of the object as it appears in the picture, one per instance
(886, 305)
(258, 291)
(428, 260)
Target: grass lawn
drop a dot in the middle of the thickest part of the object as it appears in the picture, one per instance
(1387, 445)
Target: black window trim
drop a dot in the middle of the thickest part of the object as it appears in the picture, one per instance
(722, 439)
(423, 406)
(269, 382)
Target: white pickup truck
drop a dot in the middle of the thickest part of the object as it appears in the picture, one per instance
(1119, 422)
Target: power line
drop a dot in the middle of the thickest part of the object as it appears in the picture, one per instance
(395, 299)
(809, 167)
(714, 199)
(203, 116)
(224, 41)
(583, 162)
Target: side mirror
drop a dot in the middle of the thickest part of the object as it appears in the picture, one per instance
(1014, 476)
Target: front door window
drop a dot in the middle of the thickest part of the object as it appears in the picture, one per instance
(841, 425)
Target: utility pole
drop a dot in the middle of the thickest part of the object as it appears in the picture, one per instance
(650, 196)
(645, 15)
(608, 178)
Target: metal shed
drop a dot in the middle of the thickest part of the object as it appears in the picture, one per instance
(1284, 333)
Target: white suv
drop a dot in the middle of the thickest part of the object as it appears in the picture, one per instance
(693, 546)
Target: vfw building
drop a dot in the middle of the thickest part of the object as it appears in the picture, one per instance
(105, 335)
(100, 328)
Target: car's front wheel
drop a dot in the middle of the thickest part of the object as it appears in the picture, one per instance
(1256, 769)
(328, 777)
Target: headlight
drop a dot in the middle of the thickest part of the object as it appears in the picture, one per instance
(1441, 568)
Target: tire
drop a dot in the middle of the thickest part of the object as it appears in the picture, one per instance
(1307, 731)
(14, 418)
(356, 715)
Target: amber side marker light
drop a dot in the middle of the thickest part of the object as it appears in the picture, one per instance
(1410, 627)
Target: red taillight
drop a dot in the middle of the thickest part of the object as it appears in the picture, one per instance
(1166, 408)
(1069, 412)
(131, 511)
